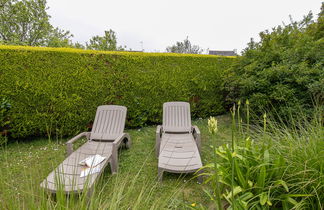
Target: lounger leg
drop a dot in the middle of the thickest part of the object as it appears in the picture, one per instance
(114, 160)
(128, 144)
(114, 165)
(160, 174)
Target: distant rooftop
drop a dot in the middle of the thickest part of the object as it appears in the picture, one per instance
(223, 52)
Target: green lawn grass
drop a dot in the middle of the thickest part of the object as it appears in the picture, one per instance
(24, 164)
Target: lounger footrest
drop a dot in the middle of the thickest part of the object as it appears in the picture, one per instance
(66, 176)
(179, 153)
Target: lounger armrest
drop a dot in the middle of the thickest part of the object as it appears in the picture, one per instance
(197, 136)
(120, 139)
(69, 144)
(158, 135)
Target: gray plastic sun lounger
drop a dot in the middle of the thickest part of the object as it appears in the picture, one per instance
(106, 136)
(177, 142)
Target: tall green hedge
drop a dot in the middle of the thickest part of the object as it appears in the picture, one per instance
(55, 91)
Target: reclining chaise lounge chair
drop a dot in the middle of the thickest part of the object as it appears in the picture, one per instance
(177, 142)
(106, 136)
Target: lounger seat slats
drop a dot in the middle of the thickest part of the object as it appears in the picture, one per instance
(179, 155)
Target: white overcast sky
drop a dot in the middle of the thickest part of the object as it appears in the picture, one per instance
(213, 24)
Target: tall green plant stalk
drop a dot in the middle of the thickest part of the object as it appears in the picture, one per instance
(247, 117)
(233, 147)
(265, 128)
(239, 124)
(213, 129)
(264, 122)
(217, 187)
(48, 131)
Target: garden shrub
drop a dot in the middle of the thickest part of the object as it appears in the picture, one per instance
(284, 71)
(270, 166)
(55, 91)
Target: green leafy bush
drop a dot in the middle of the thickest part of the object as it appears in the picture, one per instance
(284, 71)
(4, 112)
(4, 120)
(273, 166)
(56, 91)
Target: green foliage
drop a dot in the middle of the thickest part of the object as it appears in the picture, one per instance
(4, 109)
(60, 38)
(26, 22)
(4, 120)
(56, 91)
(79, 45)
(184, 47)
(257, 178)
(108, 42)
(284, 71)
(276, 167)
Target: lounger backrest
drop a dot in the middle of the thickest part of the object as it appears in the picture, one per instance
(176, 117)
(109, 122)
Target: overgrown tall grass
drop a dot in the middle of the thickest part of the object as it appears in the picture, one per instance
(301, 144)
(111, 192)
(274, 164)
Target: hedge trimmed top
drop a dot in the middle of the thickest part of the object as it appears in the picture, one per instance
(74, 50)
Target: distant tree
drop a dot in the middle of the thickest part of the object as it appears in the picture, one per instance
(79, 45)
(59, 38)
(26, 22)
(107, 42)
(184, 47)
